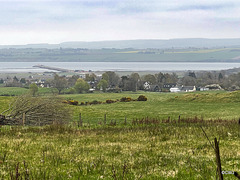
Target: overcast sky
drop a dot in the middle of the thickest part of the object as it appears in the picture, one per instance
(55, 21)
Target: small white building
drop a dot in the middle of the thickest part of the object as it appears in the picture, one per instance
(203, 89)
(146, 86)
(183, 89)
(188, 88)
(175, 89)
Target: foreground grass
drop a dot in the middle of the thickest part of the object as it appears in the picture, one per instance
(165, 151)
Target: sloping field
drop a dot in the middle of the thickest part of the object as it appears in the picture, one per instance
(132, 151)
(209, 105)
(217, 97)
(212, 105)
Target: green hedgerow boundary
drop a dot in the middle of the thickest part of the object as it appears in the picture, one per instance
(108, 101)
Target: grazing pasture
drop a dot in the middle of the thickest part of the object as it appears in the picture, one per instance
(208, 105)
(16, 91)
(164, 151)
(137, 149)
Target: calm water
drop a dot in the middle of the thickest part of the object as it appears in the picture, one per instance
(116, 66)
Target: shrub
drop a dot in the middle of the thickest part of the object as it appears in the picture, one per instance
(109, 101)
(82, 103)
(142, 98)
(72, 91)
(96, 102)
(65, 101)
(73, 102)
(125, 99)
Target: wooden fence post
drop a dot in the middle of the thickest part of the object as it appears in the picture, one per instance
(219, 168)
(125, 121)
(23, 119)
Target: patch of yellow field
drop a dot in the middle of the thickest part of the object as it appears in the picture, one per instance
(202, 51)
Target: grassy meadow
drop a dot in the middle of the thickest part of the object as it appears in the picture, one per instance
(126, 151)
(208, 105)
(165, 151)
(16, 91)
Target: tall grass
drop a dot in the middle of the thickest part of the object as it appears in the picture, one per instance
(159, 151)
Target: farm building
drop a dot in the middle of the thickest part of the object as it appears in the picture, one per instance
(183, 89)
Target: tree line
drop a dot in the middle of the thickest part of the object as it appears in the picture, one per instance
(111, 81)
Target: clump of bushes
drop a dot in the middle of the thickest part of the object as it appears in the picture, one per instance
(71, 102)
(142, 98)
(109, 101)
(95, 102)
(90, 103)
(125, 99)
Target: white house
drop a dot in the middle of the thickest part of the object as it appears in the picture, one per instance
(188, 88)
(183, 89)
(175, 89)
(146, 86)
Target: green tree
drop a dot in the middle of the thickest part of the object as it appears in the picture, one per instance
(15, 79)
(72, 80)
(150, 78)
(81, 86)
(90, 77)
(134, 79)
(103, 84)
(220, 77)
(112, 78)
(23, 80)
(124, 83)
(33, 89)
(60, 83)
(105, 76)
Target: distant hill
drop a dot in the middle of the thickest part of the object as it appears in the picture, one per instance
(139, 44)
(190, 54)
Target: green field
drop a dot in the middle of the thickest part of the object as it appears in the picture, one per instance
(159, 105)
(127, 151)
(208, 105)
(16, 91)
(165, 151)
